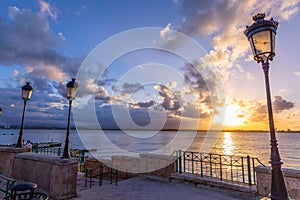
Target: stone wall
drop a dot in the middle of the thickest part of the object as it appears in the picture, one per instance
(291, 177)
(55, 175)
(7, 161)
(157, 164)
(129, 166)
(92, 163)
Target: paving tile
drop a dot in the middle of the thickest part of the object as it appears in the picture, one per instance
(147, 188)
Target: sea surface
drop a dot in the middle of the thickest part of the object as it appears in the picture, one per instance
(254, 144)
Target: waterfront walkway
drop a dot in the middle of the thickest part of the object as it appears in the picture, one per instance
(148, 188)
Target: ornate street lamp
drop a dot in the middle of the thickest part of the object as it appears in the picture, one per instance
(261, 35)
(26, 94)
(72, 88)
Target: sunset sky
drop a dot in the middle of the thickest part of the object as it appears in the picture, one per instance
(46, 43)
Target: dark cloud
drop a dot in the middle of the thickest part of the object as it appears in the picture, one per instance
(259, 110)
(27, 39)
(129, 88)
(258, 113)
(281, 104)
(197, 83)
(170, 100)
(42, 110)
(144, 104)
(200, 89)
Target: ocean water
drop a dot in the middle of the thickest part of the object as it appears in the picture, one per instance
(254, 144)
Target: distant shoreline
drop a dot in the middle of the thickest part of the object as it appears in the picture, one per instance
(114, 129)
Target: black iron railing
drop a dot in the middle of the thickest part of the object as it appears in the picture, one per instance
(222, 167)
(58, 151)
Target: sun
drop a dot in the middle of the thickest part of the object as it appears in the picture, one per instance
(232, 117)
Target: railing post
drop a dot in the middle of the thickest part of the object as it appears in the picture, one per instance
(243, 169)
(192, 162)
(180, 162)
(210, 165)
(231, 168)
(249, 170)
(253, 166)
(36, 149)
(184, 161)
(176, 162)
(59, 151)
(201, 165)
(221, 167)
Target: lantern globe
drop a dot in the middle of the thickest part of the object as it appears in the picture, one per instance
(72, 89)
(261, 35)
(26, 91)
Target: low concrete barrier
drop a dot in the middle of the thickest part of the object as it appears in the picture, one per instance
(7, 155)
(94, 163)
(157, 164)
(55, 175)
(291, 177)
(129, 166)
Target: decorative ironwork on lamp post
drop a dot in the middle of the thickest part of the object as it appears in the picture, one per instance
(72, 88)
(26, 94)
(261, 35)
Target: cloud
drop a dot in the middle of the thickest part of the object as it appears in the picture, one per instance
(165, 33)
(226, 21)
(50, 72)
(16, 73)
(102, 95)
(281, 104)
(198, 84)
(282, 91)
(61, 36)
(297, 73)
(293, 115)
(13, 11)
(170, 100)
(27, 40)
(191, 110)
(129, 88)
(143, 104)
(34, 45)
(47, 9)
(100, 92)
(257, 111)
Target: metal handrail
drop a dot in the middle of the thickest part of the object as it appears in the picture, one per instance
(223, 167)
(57, 151)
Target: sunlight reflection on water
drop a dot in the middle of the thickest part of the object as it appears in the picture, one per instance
(227, 144)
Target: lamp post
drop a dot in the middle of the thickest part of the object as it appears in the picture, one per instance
(261, 35)
(72, 88)
(26, 94)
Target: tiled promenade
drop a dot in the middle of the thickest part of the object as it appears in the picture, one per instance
(148, 188)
